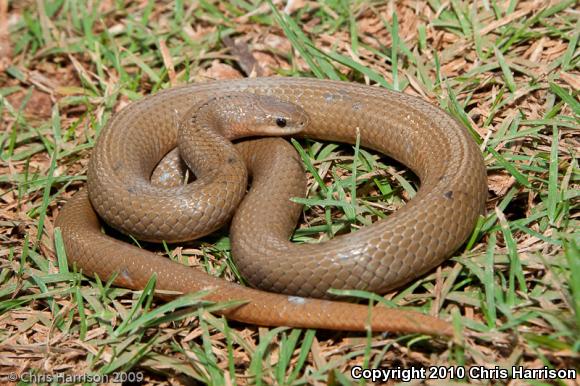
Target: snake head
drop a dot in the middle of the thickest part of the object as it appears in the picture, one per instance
(274, 116)
(237, 115)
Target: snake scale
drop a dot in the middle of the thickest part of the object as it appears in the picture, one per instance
(289, 279)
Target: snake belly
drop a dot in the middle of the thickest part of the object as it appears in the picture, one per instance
(377, 258)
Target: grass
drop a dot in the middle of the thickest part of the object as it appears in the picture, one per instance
(507, 70)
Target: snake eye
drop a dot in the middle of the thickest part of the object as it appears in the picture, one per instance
(281, 122)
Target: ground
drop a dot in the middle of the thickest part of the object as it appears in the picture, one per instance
(507, 70)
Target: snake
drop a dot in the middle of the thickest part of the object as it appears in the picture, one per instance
(290, 283)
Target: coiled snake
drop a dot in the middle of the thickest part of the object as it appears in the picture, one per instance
(377, 258)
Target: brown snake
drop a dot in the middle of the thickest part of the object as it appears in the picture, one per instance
(377, 258)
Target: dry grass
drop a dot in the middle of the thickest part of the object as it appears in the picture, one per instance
(507, 70)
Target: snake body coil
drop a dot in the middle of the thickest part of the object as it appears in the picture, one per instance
(376, 258)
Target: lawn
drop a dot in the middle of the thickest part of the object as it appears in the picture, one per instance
(507, 70)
